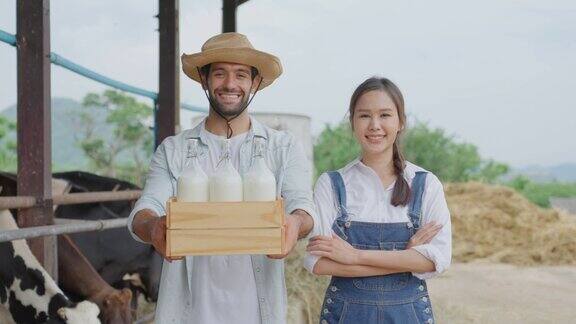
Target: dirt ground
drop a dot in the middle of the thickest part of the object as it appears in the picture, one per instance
(486, 293)
(521, 263)
(501, 293)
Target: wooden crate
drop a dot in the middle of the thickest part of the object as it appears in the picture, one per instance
(223, 228)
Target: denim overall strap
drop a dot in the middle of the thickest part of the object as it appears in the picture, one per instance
(416, 193)
(340, 194)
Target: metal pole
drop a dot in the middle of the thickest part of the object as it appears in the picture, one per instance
(91, 197)
(167, 114)
(229, 15)
(17, 202)
(33, 124)
(71, 199)
(64, 226)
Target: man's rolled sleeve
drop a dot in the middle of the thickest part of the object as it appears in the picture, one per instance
(157, 190)
(141, 204)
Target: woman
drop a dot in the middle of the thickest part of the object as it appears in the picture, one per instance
(384, 222)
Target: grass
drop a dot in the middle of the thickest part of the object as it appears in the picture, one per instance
(540, 193)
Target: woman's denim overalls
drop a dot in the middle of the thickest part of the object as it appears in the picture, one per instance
(394, 298)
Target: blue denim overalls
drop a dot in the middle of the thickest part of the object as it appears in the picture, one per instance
(393, 298)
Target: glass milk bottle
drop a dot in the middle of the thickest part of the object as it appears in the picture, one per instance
(225, 183)
(259, 181)
(193, 184)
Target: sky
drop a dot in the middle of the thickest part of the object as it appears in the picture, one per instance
(495, 73)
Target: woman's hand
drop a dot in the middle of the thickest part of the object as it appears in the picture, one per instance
(333, 248)
(424, 235)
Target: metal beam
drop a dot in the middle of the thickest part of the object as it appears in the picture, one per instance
(167, 110)
(71, 199)
(63, 226)
(33, 124)
(17, 202)
(229, 15)
(96, 196)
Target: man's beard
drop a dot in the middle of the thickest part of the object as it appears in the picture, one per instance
(228, 111)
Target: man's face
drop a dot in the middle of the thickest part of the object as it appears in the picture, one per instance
(229, 85)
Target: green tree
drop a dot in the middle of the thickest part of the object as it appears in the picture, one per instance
(441, 154)
(127, 153)
(429, 148)
(491, 171)
(334, 148)
(8, 159)
(449, 159)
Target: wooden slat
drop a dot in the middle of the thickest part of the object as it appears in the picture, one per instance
(213, 215)
(224, 241)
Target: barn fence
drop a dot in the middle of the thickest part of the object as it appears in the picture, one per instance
(66, 226)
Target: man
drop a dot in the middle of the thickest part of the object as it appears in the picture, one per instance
(239, 288)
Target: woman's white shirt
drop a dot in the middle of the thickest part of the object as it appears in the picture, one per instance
(368, 201)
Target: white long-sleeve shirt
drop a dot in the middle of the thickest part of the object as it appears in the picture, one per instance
(192, 288)
(368, 201)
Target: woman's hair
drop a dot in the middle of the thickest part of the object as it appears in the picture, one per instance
(401, 193)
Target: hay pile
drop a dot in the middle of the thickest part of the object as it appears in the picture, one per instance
(497, 224)
(305, 291)
(490, 223)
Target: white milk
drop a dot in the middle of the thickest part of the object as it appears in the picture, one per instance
(193, 184)
(225, 182)
(259, 181)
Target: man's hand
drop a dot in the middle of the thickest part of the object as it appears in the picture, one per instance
(158, 238)
(291, 231)
(152, 229)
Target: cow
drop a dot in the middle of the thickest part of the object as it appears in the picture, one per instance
(28, 294)
(77, 276)
(79, 280)
(113, 253)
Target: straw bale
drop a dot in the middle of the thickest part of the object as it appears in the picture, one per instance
(489, 224)
(497, 224)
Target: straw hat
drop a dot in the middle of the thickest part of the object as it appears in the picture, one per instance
(232, 48)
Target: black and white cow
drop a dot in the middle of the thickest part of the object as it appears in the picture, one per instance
(113, 253)
(28, 294)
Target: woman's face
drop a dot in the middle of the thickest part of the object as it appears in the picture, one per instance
(376, 123)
